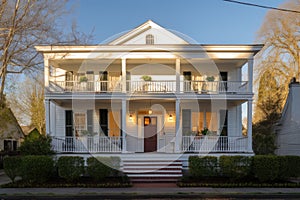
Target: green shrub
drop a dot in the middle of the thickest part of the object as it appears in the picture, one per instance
(203, 166)
(70, 167)
(11, 166)
(235, 167)
(265, 167)
(36, 169)
(36, 144)
(289, 166)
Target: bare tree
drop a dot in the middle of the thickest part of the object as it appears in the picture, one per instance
(280, 58)
(24, 24)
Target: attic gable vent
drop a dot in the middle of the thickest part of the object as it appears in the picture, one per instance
(149, 39)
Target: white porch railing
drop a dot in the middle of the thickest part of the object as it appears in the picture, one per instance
(198, 144)
(89, 86)
(151, 86)
(209, 87)
(144, 87)
(214, 144)
(86, 144)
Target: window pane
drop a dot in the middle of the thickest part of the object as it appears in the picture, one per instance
(80, 121)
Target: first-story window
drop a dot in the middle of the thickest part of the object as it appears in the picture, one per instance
(80, 122)
(10, 145)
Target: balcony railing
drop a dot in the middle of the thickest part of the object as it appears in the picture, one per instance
(89, 86)
(152, 86)
(208, 144)
(85, 144)
(144, 87)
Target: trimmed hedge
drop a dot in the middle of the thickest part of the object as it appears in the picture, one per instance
(289, 167)
(11, 166)
(203, 166)
(102, 167)
(70, 167)
(36, 169)
(235, 167)
(265, 167)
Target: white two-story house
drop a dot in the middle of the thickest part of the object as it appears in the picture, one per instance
(149, 90)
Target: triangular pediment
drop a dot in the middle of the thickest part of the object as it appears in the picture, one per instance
(139, 34)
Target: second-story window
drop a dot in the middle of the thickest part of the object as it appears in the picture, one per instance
(149, 39)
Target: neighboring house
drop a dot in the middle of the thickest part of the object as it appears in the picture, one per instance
(288, 128)
(148, 90)
(11, 133)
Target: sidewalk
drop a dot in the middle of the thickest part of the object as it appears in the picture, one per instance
(128, 193)
(145, 190)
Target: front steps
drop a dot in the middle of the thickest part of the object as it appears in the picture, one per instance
(157, 170)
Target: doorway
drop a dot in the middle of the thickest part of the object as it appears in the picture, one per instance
(150, 134)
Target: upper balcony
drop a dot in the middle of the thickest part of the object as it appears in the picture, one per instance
(175, 68)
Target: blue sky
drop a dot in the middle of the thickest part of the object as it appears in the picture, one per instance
(206, 21)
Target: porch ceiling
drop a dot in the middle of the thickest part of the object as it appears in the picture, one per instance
(69, 102)
(75, 64)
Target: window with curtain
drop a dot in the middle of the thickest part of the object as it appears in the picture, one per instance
(80, 122)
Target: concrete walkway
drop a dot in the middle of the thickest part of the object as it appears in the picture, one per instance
(3, 178)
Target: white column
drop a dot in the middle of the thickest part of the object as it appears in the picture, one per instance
(249, 125)
(124, 75)
(250, 74)
(46, 73)
(177, 75)
(124, 128)
(204, 119)
(47, 113)
(178, 132)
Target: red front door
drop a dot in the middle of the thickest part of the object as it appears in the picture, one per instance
(150, 134)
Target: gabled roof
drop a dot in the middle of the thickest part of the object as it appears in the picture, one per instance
(9, 126)
(148, 27)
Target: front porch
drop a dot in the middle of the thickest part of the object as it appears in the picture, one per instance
(148, 125)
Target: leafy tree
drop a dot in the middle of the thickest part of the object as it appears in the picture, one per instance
(36, 144)
(270, 98)
(268, 110)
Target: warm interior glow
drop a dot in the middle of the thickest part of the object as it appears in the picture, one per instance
(171, 117)
(130, 117)
(114, 121)
(150, 112)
